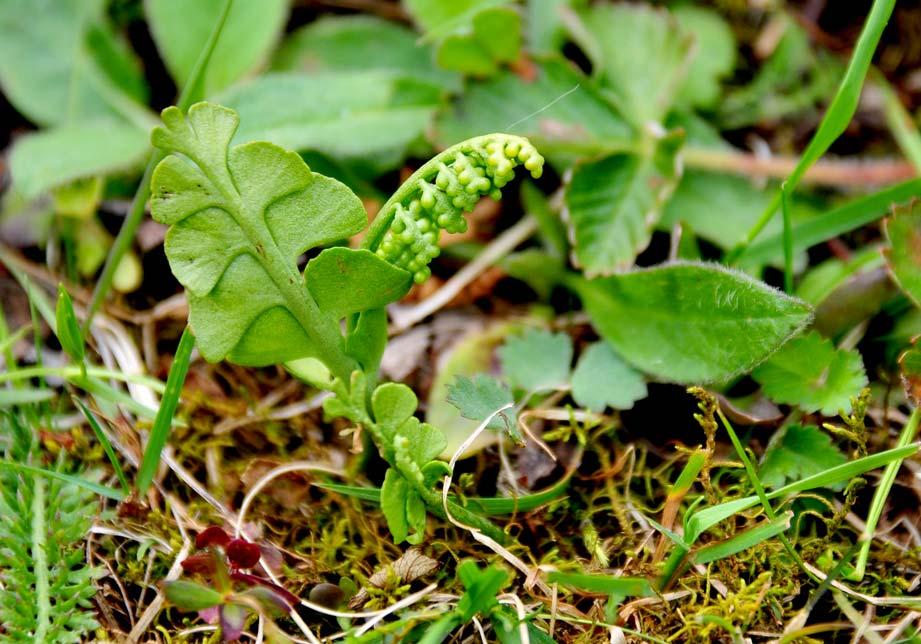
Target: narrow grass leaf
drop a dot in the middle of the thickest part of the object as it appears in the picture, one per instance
(106, 445)
(160, 431)
(709, 517)
(744, 540)
(102, 490)
(610, 585)
(68, 329)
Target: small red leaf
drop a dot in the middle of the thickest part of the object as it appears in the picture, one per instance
(243, 554)
(201, 564)
(212, 536)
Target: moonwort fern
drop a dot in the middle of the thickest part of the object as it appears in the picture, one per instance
(241, 217)
(45, 583)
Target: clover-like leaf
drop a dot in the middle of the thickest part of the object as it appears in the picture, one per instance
(800, 451)
(479, 397)
(810, 373)
(538, 360)
(481, 587)
(240, 218)
(602, 379)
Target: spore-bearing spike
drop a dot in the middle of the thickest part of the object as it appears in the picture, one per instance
(445, 189)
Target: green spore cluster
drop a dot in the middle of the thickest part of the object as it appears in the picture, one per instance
(446, 188)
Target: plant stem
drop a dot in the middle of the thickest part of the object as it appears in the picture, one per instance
(139, 203)
(40, 561)
(909, 431)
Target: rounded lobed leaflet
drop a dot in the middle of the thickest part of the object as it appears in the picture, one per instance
(436, 197)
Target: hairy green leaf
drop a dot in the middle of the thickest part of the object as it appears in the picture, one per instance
(612, 205)
(798, 451)
(180, 28)
(714, 54)
(60, 63)
(903, 230)
(691, 323)
(602, 379)
(346, 114)
(49, 158)
(642, 86)
(560, 111)
(361, 43)
(538, 360)
(240, 218)
(810, 373)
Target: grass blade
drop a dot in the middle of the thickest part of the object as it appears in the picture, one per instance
(101, 490)
(709, 517)
(837, 221)
(743, 540)
(160, 431)
(11, 397)
(839, 114)
(106, 445)
(607, 584)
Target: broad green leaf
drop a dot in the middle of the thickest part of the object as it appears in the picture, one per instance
(52, 157)
(361, 43)
(903, 230)
(56, 57)
(188, 595)
(640, 53)
(714, 54)
(49, 158)
(181, 28)
(68, 329)
(613, 204)
(367, 341)
(743, 540)
(543, 22)
(481, 587)
(702, 200)
(343, 281)
(479, 397)
(560, 111)
(608, 584)
(393, 504)
(393, 404)
(538, 360)
(602, 379)
(798, 451)
(345, 114)
(439, 18)
(691, 323)
(483, 41)
(810, 373)
(79, 198)
(239, 220)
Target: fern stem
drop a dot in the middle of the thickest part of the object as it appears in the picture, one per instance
(40, 561)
